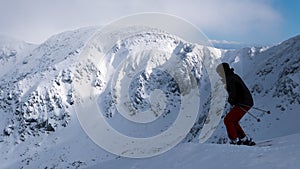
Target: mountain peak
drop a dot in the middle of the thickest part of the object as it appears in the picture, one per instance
(37, 115)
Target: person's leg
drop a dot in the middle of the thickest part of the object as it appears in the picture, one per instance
(231, 121)
(241, 112)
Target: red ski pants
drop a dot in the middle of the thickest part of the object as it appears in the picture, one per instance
(231, 121)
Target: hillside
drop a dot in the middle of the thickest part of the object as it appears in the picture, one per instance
(39, 116)
(11, 52)
(272, 74)
(283, 153)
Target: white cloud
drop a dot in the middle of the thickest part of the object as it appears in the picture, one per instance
(232, 17)
(35, 20)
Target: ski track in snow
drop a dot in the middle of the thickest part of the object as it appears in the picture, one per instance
(40, 127)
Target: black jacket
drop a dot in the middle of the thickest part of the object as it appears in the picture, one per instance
(238, 92)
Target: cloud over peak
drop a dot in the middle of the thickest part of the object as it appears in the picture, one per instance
(34, 21)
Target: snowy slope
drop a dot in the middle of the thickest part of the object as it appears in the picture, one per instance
(12, 52)
(41, 129)
(272, 75)
(283, 154)
(33, 90)
(36, 107)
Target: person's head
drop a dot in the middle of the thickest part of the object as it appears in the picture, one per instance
(223, 69)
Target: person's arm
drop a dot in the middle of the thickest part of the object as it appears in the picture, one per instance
(232, 90)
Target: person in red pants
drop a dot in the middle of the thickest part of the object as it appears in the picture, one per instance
(240, 98)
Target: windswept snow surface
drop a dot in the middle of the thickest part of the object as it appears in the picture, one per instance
(39, 127)
(282, 154)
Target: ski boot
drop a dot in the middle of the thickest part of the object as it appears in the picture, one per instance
(246, 141)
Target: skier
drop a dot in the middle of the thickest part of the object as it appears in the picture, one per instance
(240, 99)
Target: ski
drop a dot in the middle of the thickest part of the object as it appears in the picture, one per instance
(266, 143)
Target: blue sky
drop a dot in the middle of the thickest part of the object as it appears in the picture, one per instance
(246, 21)
(285, 25)
(290, 11)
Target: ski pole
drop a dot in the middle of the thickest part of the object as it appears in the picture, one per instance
(262, 110)
(266, 111)
(257, 119)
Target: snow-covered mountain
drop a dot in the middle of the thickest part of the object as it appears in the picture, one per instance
(272, 75)
(230, 45)
(40, 125)
(12, 52)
